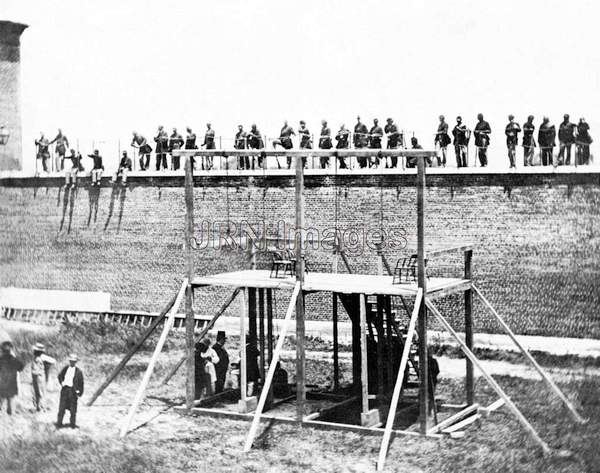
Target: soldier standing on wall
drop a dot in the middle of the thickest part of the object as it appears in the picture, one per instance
(442, 138)
(528, 141)
(482, 133)
(285, 141)
(546, 139)
(305, 140)
(162, 146)
(361, 139)
(325, 143)
(512, 131)
(566, 138)
(62, 143)
(209, 143)
(240, 143)
(393, 141)
(144, 150)
(342, 142)
(584, 140)
(43, 152)
(255, 141)
(98, 168)
(175, 142)
(460, 142)
(375, 135)
(190, 143)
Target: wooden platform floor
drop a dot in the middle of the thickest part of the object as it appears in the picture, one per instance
(333, 282)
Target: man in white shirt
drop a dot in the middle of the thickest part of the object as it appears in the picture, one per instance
(71, 381)
(40, 368)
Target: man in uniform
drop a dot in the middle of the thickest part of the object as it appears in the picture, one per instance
(305, 141)
(240, 143)
(222, 365)
(361, 139)
(10, 365)
(394, 140)
(255, 141)
(342, 142)
(124, 169)
(528, 141)
(209, 143)
(512, 131)
(98, 168)
(584, 140)
(547, 141)
(442, 138)
(62, 143)
(42, 150)
(162, 146)
(144, 150)
(461, 142)
(482, 133)
(566, 138)
(375, 136)
(71, 382)
(71, 172)
(325, 143)
(285, 141)
(175, 142)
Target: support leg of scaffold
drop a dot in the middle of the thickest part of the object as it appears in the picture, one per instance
(161, 341)
(265, 391)
(535, 364)
(513, 408)
(399, 379)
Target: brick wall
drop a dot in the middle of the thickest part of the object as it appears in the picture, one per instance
(537, 237)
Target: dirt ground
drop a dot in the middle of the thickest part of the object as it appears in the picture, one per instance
(165, 441)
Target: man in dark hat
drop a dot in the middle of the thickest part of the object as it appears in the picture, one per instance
(482, 133)
(255, 141)
(305, 142)
(222, 365)
(512, 131)
(461, 141)
(375, 136)
(71, 382)
(97, 169)
(547, 141)
(566, 138)
(10, 365)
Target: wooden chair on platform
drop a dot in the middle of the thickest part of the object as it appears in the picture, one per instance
(280, 260)
(405, 271)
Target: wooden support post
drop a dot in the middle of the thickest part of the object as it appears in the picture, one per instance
(380, 345)
(252, 327)
(190, 322)
(265, 391)
(535, 364)
(261, 330)
(364, 374)
(390, 354)
(204, 331)
(157, 320)
(469, 328)
(300, 329)
(336, 348)
(422, 282)
(269, 324)
(399, 379)
(139, 395)
(243, 377)
(517, 413)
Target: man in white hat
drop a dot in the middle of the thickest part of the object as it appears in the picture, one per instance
(71, 381)
(40, 368)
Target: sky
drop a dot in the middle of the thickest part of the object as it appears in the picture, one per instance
(101, 69)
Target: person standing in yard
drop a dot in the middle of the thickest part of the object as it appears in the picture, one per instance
(206, 376)
(223, 364)
(71, 381)
(10, 365)
(40, 368)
